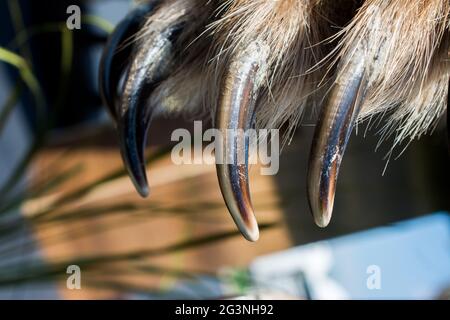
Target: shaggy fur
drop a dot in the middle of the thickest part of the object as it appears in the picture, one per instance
(291, 29)
(405, 46)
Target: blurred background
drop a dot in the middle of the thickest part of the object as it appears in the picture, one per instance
(65, 198)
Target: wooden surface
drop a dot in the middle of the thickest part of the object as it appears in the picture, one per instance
(185, 204)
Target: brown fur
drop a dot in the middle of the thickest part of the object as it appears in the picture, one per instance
(405, 44)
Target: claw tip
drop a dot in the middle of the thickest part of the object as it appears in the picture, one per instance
(321, 205)
(143, 191)
(252, 233)
(323, 219)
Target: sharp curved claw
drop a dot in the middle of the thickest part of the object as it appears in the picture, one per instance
(116, 53)
(235, 115)
(331, 136)
(150, 65)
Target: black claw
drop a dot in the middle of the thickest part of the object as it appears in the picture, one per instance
(117, 52)
(331, 137)
(151, 63)
(243, 80)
